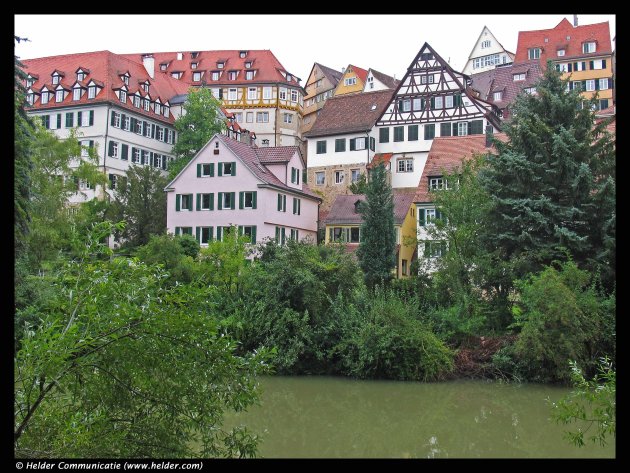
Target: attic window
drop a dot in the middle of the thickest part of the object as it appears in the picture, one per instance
(568, 38)
(243, 54)
(193, 65)
(248, 64)
(289, 77)
(520, 76)
(561, 52)
(220, 65)
(145, 87)
(55, 78)
(373, 107)
(30, 80)
(546, 40)
(194, 55)
(125, 79)
(498, 95)
(533, 53)
(163, 67)
(180, 56)
(80, 75)
(588, 47)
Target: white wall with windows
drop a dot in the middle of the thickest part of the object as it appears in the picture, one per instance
(338, 150)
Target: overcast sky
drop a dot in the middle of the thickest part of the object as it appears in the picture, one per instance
(387, 43)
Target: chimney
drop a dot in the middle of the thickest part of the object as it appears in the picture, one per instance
(488, 136)
(343, 69)
(575, 23)
(149, 64)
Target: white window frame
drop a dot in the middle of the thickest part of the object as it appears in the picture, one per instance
(264, 116)
(590, 85)
(589, 47)
(117, 120)
(348, 81)
(282, 94)
(339, 177)
(429, 217)
(160, 134)
(287, 117)
(55, 79)
(216, 75)
(251, 194)
(436, 183)
(267, 93)
(249, 75)
(184, 207)
(320, 178)
(359, 143)
(518, 77)
(44, 98)
(486, 44)
(249, 117)
(354, 175)
(232, 94)
(533, 53)
(123, 96)
(91, 92)
(196, 76)
(448, 101)
(603, 81)
(294, 95)
(462, 127)
(136, 101)
(252, 93)
(201, 203)
(404, 165)
(232, 75)
(59, 93)
(76, 94)
(147, 104)
(497, 95)
(439, 102)
(561, 52)
(136, 156)
(228, 196)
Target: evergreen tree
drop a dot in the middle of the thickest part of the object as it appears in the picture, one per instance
(552, 185)
(377, 251)
(201, 119)
(142, 204)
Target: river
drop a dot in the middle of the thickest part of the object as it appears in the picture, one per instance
(328, 417)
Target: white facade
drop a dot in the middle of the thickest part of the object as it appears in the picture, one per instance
(372, 83)
(487, 54)
(358, 153)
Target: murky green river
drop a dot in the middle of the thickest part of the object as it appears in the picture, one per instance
(337, 417)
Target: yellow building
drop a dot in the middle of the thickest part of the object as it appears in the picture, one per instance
(584, 53)
(352, 81)
(320, 85)
(343, 225)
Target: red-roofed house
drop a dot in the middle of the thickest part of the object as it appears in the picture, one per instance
(260, 190)
(343, 225)
(445, 157)
(583, 53)
(114, 103)
(352, 81)
(264, 97)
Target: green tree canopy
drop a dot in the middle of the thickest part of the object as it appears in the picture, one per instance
(377, 250)
(202, 118)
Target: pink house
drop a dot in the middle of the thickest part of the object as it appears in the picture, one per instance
(260, 190)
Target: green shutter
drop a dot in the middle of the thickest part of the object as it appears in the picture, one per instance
(220, 203)
(153, 131)
(583, 85)
(198, 170)
(284, 203)
(211, 201)
(583, 65)
(110, 149)
(596, 84)
(177, 231)
(198, 202)
(353, 144)
(438, 214)
(426, 249)
(294, 205)
(219, 233)
(211, 169)
(113, 118)
(454, 129)
(124, 154)
(241, 199)
(240, 230)
(211, 233)
(91, 117)
(278, 235)
(79, 115)
(234, 168)
(432, 103)
(299, 206)
(293, 175)
(254, 233)
(198, 232)
(254, 199)
(279, 202)
(445, 129)
(220, 169)
(591, 64)
(69, 120)
(421, 217)
(233, 200)
(283, 233)
(603, 63)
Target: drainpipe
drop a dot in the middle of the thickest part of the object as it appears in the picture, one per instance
(105, 147)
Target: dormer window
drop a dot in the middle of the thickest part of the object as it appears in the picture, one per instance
(242, 54)
(125, 79)
(533, 53)
(176, 75)
(194, 54)
(81, 75)
(289, 77)
(166, 110)
(561, 52)
(56, 78)
(180, 56)
(136, 101)
(44, 97)
(59, 96)
(30, 98)
(232, 75)
(588, 47)
(249, 75)
(497, 96)
(30, 80)
(436, 183)
(145, 87)
(518, 77)
(216, 75)
(123, 96)
(193, 65)
(163, 66)
(91, 92)
(147, 104)
(76, 93)
(158, 109)
(248, 64)
(220, 65)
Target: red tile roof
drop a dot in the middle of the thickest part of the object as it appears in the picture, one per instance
(276, 154)
(343, 210)
(264, 62)
(557, 39)
(361, 73)
(447, 154)
(379, 158)
(501, 79)
(350, 113)
(251, 157)
(105, 69)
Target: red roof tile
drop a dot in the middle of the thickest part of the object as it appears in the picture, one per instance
(105, 68)
(350, 113)
(447, 154)
(343, 210)
(557, 39)
(379, 158)
(361, 73)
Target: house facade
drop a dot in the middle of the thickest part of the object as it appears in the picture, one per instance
(343, 225)
(445, 157)
(353, 80)
(115, 105)
(258, 190)
(431, 100)
(378, 81)
(266, 99)
(486, 54)
(342, 142)
(320, 86)
(583, 54)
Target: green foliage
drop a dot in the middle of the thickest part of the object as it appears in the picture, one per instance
(120, 366)
(561, 318)
(389, 339)
(591, 403)
(201, 120)
(549, 182)
(377, 251)
(176, 255)
(360, 186)
(141, 202)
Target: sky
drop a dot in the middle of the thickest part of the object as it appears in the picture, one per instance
(387, 43)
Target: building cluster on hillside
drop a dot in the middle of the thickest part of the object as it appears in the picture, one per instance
(284, 167)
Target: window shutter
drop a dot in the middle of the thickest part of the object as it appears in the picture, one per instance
(220, 169)
(59, 120)
(233, 200)
(153, 131)
(570, 67)
(177, 230)
(277, 234)
(570, 85)
(299, 206)
(198, 202)
(591, 64)
(110, 149)
(122, 120)
(220, 197)
(438, 214)
(91, 144)
(294, 205)
(421, 217)
(113, 118)
(353, 144)
(426, 249)
(124, 154)
(254, 199)
(198, 232)
(211, 233)
(284, 203)
(79, 116)
(254, 232)
(69, 120)
(603, 63)
(583, 85)
(610, 83)
(164, 159)
(283, 233)
(454, 129)
(293, 175)
(234, 168)
(583, 65)
(211, 202)
(432, 103)
(211, 169)
(219, 233)
(445, 129)
(198, 170)
(133, 124)
(596, 84)
(178, 202)
(279, 202)
(91, 117)
(151, 158)
(240, 230)
(241, 199)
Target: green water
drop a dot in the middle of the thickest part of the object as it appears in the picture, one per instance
(337, 417)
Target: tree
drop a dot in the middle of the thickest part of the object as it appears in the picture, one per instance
(550, 180)
(377, 250)
(591, 402)
(141, 202)
(360, 186)
(120, 366)
(202, 118)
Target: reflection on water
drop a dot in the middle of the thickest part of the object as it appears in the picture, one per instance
(337, 417)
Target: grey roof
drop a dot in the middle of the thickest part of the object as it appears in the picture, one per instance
(332, 75)
(389, 81)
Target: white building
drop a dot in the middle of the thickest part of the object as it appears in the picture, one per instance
(486, 54)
